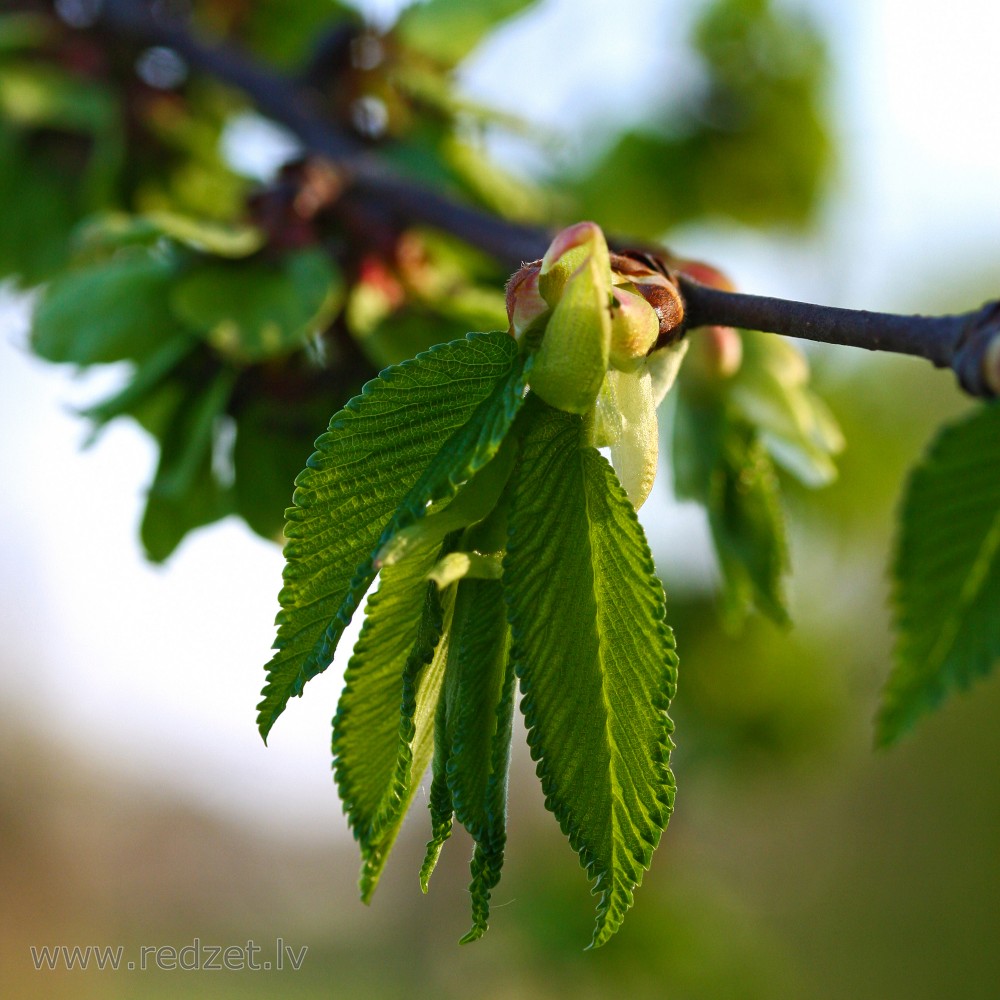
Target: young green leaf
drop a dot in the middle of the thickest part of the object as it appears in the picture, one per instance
(946, 572)
(594, 655)
(377, 716)
(413, 436)
(447, 30)
(473, 747)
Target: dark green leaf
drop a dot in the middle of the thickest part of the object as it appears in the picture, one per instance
(594, 656)
(106, 312)
(185, 493)
(254, 310)
(946, 572)
(411, 437)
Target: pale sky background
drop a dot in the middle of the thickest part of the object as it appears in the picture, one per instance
(156, 671)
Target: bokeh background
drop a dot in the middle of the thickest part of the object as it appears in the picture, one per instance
(138, 806)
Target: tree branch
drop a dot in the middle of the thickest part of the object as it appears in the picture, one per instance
(969, 343)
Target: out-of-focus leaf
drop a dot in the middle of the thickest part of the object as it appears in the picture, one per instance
(21, 31)
(273, 441)
(946, 572)
(33, 95)
(253, 310)
(185, 492)
(112, 230)
(447, 30)
(719, 461)
(110, 311)
(148, 377)
(771, 391)
(751, 146)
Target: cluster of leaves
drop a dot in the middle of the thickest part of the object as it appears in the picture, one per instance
(225, 302)
(507, 550)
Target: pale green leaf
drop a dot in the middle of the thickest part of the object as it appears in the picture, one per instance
(594, 656)
(946, 572)
(461, 565)
(771, 391)
(376, 720)
(111, 230)
(412, 437)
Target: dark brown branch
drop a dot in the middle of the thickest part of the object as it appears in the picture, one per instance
(969, 344)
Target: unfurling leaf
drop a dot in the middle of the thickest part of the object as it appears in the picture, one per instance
(946, 572)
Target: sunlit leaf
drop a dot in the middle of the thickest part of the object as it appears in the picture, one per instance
(946, 572)
(412, 437)
(594, 656)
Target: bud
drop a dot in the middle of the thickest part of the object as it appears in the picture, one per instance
(719, 349)
(634, 329)
(575, 280)
(645, 275)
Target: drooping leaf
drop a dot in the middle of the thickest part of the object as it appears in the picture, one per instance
(271, 438)
(377, 716)
(413, 436)
(185, 492)
(149, 375)
(946, 572)
(594, 656)
(479, 712)
(472, 740)
(771, 391)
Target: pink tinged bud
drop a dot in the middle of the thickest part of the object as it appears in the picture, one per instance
(634, 329)
(723, 350)
(656, 287)
(566, 253)
(524, 301)
(705, 274)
